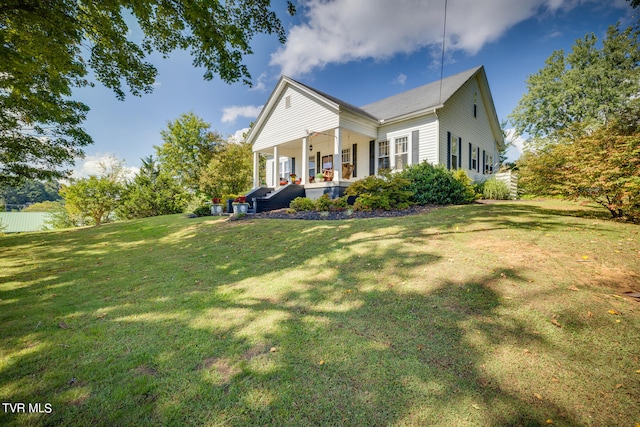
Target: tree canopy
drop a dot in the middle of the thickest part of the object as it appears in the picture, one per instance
(188, 147)
(47, 47)
(577, 93)
(151, 193)
(603, 167)
(230, 170)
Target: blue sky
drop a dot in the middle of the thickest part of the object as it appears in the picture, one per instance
(357, 50)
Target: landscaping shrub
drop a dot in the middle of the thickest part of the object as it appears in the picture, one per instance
(470, 193)
(387, 191)
(202, 210)
(323, 203)
(436, 185)
(339, 204)
(302, 204)
(495, 190)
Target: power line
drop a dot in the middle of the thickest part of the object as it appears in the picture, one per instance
(444, 38)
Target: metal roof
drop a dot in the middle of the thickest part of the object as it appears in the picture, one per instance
(20, 222)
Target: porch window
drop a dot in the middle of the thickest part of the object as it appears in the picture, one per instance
(383, 155)
(346, 155)
(327, 162)
(454, 152)
(402, 152)
(312, 168)
(285, 170)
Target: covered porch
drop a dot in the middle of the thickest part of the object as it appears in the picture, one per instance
(324, 161)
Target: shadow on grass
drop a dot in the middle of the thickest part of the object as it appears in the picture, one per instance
(200, 325)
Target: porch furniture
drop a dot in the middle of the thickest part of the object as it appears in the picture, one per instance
(328, 174)
(347, 170)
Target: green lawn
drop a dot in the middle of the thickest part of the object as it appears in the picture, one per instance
(485, 315)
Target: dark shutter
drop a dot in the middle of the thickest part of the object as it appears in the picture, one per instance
(354, 159)
(318, 164)
(448, 150)
(372, 157)
(470, 155)
(478, 159)
(293, 165)
(459, 153)
(415, 147)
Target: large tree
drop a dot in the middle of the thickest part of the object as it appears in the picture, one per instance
(47, 47)
(92, 200)
(188, 147)
(151, 193)
(577, 93)
(603, 167)
(230, 171)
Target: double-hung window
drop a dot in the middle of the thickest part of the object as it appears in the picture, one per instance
(383, 155)
(474, 158)
(312, 167)
(454, 152)
(346, 155)
(402, 152)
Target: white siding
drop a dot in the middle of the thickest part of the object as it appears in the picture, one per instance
(350, 121)
(427, 128)
(457, 117)
(288, 124)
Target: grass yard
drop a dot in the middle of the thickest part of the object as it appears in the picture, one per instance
(484, 315)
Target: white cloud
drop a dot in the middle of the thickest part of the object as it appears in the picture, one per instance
(260, 86)
(238, 136)
(92, 165)
(401, 79)
(341, 31)
(230, 114)
(516, 147)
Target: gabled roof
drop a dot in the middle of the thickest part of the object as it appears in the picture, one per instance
(342, 104)
(329, 100)
(422, 98)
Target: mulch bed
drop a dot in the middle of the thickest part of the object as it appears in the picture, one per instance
(337, 215)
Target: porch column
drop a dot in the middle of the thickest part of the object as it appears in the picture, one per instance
(305, 161)
(276, 167)
(337, 156)
(256, 169)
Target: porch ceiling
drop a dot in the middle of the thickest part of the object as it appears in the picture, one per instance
(320, 139)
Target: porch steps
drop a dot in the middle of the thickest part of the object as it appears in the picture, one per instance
(274, 198)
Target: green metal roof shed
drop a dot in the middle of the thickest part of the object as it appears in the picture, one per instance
(20, 222)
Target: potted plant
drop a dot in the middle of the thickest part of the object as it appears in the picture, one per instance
(319, 177)
(292, 178)
(216, 206)
(240, 205)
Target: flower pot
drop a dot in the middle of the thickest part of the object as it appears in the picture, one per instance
(216, 209)
(240, 208)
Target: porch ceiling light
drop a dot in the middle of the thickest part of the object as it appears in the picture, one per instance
(310, 147)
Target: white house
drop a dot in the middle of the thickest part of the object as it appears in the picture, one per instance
(304, 131)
